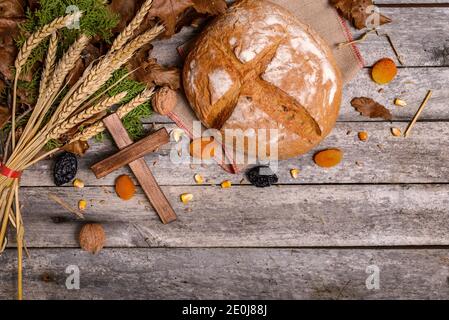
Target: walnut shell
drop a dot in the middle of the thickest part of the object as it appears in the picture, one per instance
(164, 101)
(92, 237)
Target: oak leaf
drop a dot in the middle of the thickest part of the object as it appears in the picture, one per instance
(212, 7)
(5, 114)
(358, 12)
(148, 71)
(169, 11)
(8, 50)
(126, 10)
(78, 147)
(370, 108)
(12, 8)
(153, 73)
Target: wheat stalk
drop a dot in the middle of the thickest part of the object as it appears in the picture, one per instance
(67, 63)
(36, 135)
(121, 112)
(85, 114)
(103, 71)
(36, 38)
(25, 51)
(49, 63)
(128, 32)
(46, 98)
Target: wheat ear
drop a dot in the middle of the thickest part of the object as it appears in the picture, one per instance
(121, 112)
(85, 114)
(103, 71)
(45, 100)
(36, 38)
(24, 53)
(67, 63)
(128, 32)
(49, 62)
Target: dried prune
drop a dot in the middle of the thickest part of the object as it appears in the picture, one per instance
(65, 169)
(261, 176)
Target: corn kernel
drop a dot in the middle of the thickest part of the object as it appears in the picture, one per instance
(400, 102)
(186, 198)
(82, 204)
(77, 183)
(198, 179)
(294, 173)
(226, 184)
(177, 134)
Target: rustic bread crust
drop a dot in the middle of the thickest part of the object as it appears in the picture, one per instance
(258, 67)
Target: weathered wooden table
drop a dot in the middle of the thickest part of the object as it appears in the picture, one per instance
(386, 205)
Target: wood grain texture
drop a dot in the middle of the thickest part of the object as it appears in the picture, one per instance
(387, 192)
(141, 171)
(231, 274)
(327, 215)
(410, 3)
(419, 34)
(421, 158)
(131, 153)
(411, 85)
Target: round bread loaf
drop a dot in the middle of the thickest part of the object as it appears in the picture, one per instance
(258, 67)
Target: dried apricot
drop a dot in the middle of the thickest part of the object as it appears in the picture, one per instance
(384, 71)
(328, 158)
(124, 187)
(203, 148)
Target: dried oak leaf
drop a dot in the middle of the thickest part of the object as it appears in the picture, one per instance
(160, 76)
(169, 11)
(8, 50)
(33, 5)
(2, 86)
(357, 12)
(78, 147)
(148, 71)
(5, 114)
(26, 97)
(212, 7)
(12, 8)
(370, 108)
(126, 10)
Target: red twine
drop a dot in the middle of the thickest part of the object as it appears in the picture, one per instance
(9, 173)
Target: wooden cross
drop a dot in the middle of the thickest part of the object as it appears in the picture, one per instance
(132, 154)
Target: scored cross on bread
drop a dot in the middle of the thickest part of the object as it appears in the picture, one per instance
(257, 67)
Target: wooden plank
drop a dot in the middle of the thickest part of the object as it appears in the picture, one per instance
(420, 43)
(231, 274)
(411, 39)
(131, 153)
(141, 171)
(411, 2)
(410, 85)
(421, 158)
(309, 215)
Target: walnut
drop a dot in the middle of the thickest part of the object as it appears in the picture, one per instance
(164, 101)
(92, 237)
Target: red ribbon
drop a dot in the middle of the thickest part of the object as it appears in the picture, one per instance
(9, 173)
